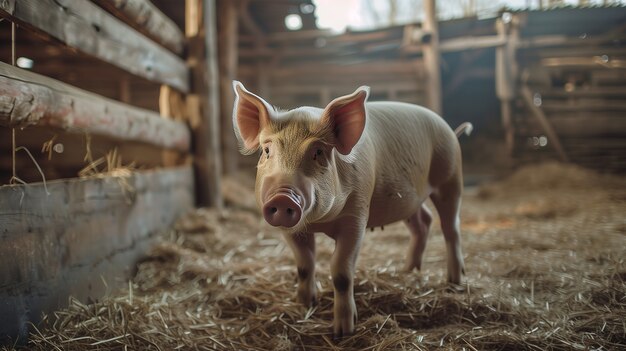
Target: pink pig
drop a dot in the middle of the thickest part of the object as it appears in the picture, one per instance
(347, 167)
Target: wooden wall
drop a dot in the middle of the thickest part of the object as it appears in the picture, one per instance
(569, 61)
(109, 137)
(569, 87)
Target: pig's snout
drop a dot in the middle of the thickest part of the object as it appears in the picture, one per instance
(283, 209)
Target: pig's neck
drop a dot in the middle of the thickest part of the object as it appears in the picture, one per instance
(352, 188)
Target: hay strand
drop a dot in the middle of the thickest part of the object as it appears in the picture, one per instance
(224, 281)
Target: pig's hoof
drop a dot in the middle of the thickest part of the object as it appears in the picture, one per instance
(410, 267)
(340, 334)
(455, 277)
(344, 328)
(307, 299)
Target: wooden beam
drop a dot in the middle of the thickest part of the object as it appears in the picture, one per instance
(589, 62)
(64, 239)
(27, 99)
(432, 56)
(146, 17)
(298, 35)
(380, 67)
(408, 85)
(84, 26)
(471, 43)
(355, 48)
(545, 124)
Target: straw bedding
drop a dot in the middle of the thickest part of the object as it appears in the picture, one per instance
(544, 252)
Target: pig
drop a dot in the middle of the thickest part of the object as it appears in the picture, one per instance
(347, 167)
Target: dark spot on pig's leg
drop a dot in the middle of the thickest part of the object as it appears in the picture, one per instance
(303, 273)
(341, 283)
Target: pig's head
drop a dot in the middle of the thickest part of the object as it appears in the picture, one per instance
(297, 180)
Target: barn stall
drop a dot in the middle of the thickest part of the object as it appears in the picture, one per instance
(108, 252)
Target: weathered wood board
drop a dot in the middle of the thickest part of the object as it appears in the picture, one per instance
(85, 231)
(150, 20)
(27, 98)
(84, 26)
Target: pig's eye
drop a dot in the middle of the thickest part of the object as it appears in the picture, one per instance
(318, 152)
(267, 151)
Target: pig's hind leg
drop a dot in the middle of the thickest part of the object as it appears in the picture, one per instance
(303, 247)
(447, 200)
(419, 225)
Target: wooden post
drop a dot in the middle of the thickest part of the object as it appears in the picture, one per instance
(203, 102)
(506, 74)
(431, 56)
(228, 60)
(213, 100)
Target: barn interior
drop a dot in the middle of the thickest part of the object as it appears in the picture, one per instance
(128, 215)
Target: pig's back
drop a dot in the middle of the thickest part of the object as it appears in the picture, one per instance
(408, 143)
(406, 129)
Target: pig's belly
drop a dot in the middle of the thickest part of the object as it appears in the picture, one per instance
(392, 203)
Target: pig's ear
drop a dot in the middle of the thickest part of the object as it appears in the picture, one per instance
(250, 115)
(346, 117)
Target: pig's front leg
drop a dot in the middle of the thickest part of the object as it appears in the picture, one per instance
(303, 247)
(342, 266)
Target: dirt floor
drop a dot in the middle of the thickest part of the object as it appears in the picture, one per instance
(544, 249)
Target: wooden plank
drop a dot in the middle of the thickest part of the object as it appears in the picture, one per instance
(298, 35)
(384, 68)
(579, 125)
(586, 62)
(27, 99)
(462, 44)
(345, 87)
(71, 160)
(84, 231)
(598, 104)
(471, 43)
(146, 17)
(432, 56)
(585, 92)
(84, 26)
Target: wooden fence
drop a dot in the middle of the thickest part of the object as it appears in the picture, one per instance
(68, 235)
